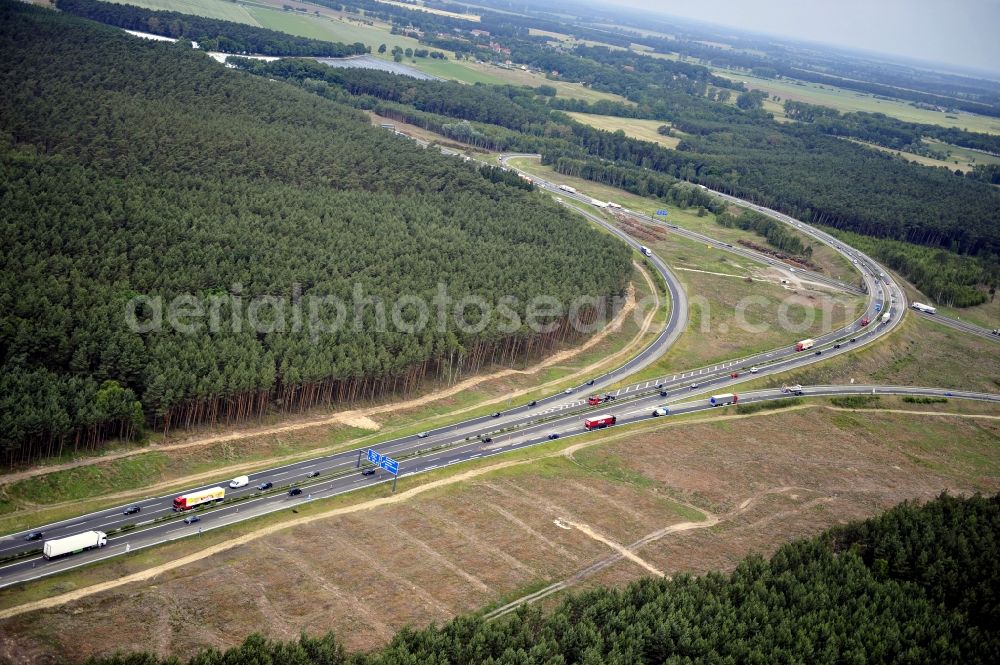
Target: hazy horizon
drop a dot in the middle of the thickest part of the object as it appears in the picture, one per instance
(963, 34)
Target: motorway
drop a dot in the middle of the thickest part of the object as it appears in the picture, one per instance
(519, 427)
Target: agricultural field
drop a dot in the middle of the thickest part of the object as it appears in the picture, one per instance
(848, 100)
(959, 158)
(517, 76)
(645, 130)
(419, 6)
(220, 9)
(662, 498)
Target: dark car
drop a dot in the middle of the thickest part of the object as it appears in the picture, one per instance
(854, 339)
(663, 393)
(314, 474)
(265, 486)
(295, 491)
(836, 346)
(34, 535)
(497, 414)
(819, 353)
(191, 519)
(369, 471)
(553, 436)
(487, 440)
(533, 402)
(131, 510)
(590, 383)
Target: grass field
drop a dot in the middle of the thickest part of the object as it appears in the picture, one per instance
(221, 9)
(959, 158)
(432, 10)
(849, 100)
(645, 130)
(731, 317)
(918, 353)
(701, 495)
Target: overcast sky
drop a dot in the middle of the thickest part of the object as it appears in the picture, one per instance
(958, 32)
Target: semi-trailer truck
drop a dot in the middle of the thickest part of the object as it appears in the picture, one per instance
(189, 501)
(805, 344)
(73, 544)
(598, 203)
(723, 400)
(598, 422)
(921, 307)
(567, 188)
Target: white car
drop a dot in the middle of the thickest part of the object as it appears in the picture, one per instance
(753, 370)
(661, 411)
(239, 481)
(422, 435)
(568, 391)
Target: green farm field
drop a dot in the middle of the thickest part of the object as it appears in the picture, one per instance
(645, 130)
(848, 100)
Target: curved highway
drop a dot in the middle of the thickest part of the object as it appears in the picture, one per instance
(521, 426)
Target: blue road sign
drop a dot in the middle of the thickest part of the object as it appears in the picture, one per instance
(662, 212)
(374, 457)
(390, 465)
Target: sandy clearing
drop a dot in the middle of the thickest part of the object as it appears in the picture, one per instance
(709, 272)
(624, 551)
(917, 413)
(362, 418)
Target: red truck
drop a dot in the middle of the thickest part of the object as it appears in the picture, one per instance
(805, 344)
(598, 422)
(593, 400)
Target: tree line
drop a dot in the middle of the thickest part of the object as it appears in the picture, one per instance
(797, 169)
(917, 584)
(134, 168)
(211, 34)
(886, 131)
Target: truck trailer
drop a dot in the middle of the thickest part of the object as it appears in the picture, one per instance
(73, 544)
(921, 307)
(723, 400)
(567, 188)
(193, 499)
(805, 344)
(599, 422)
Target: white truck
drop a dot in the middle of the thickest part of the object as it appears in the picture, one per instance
(886, 317)
(567, 188)
(921, 307)
(792, 390)
(73, 544)
(645, 250)
(598, 203)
